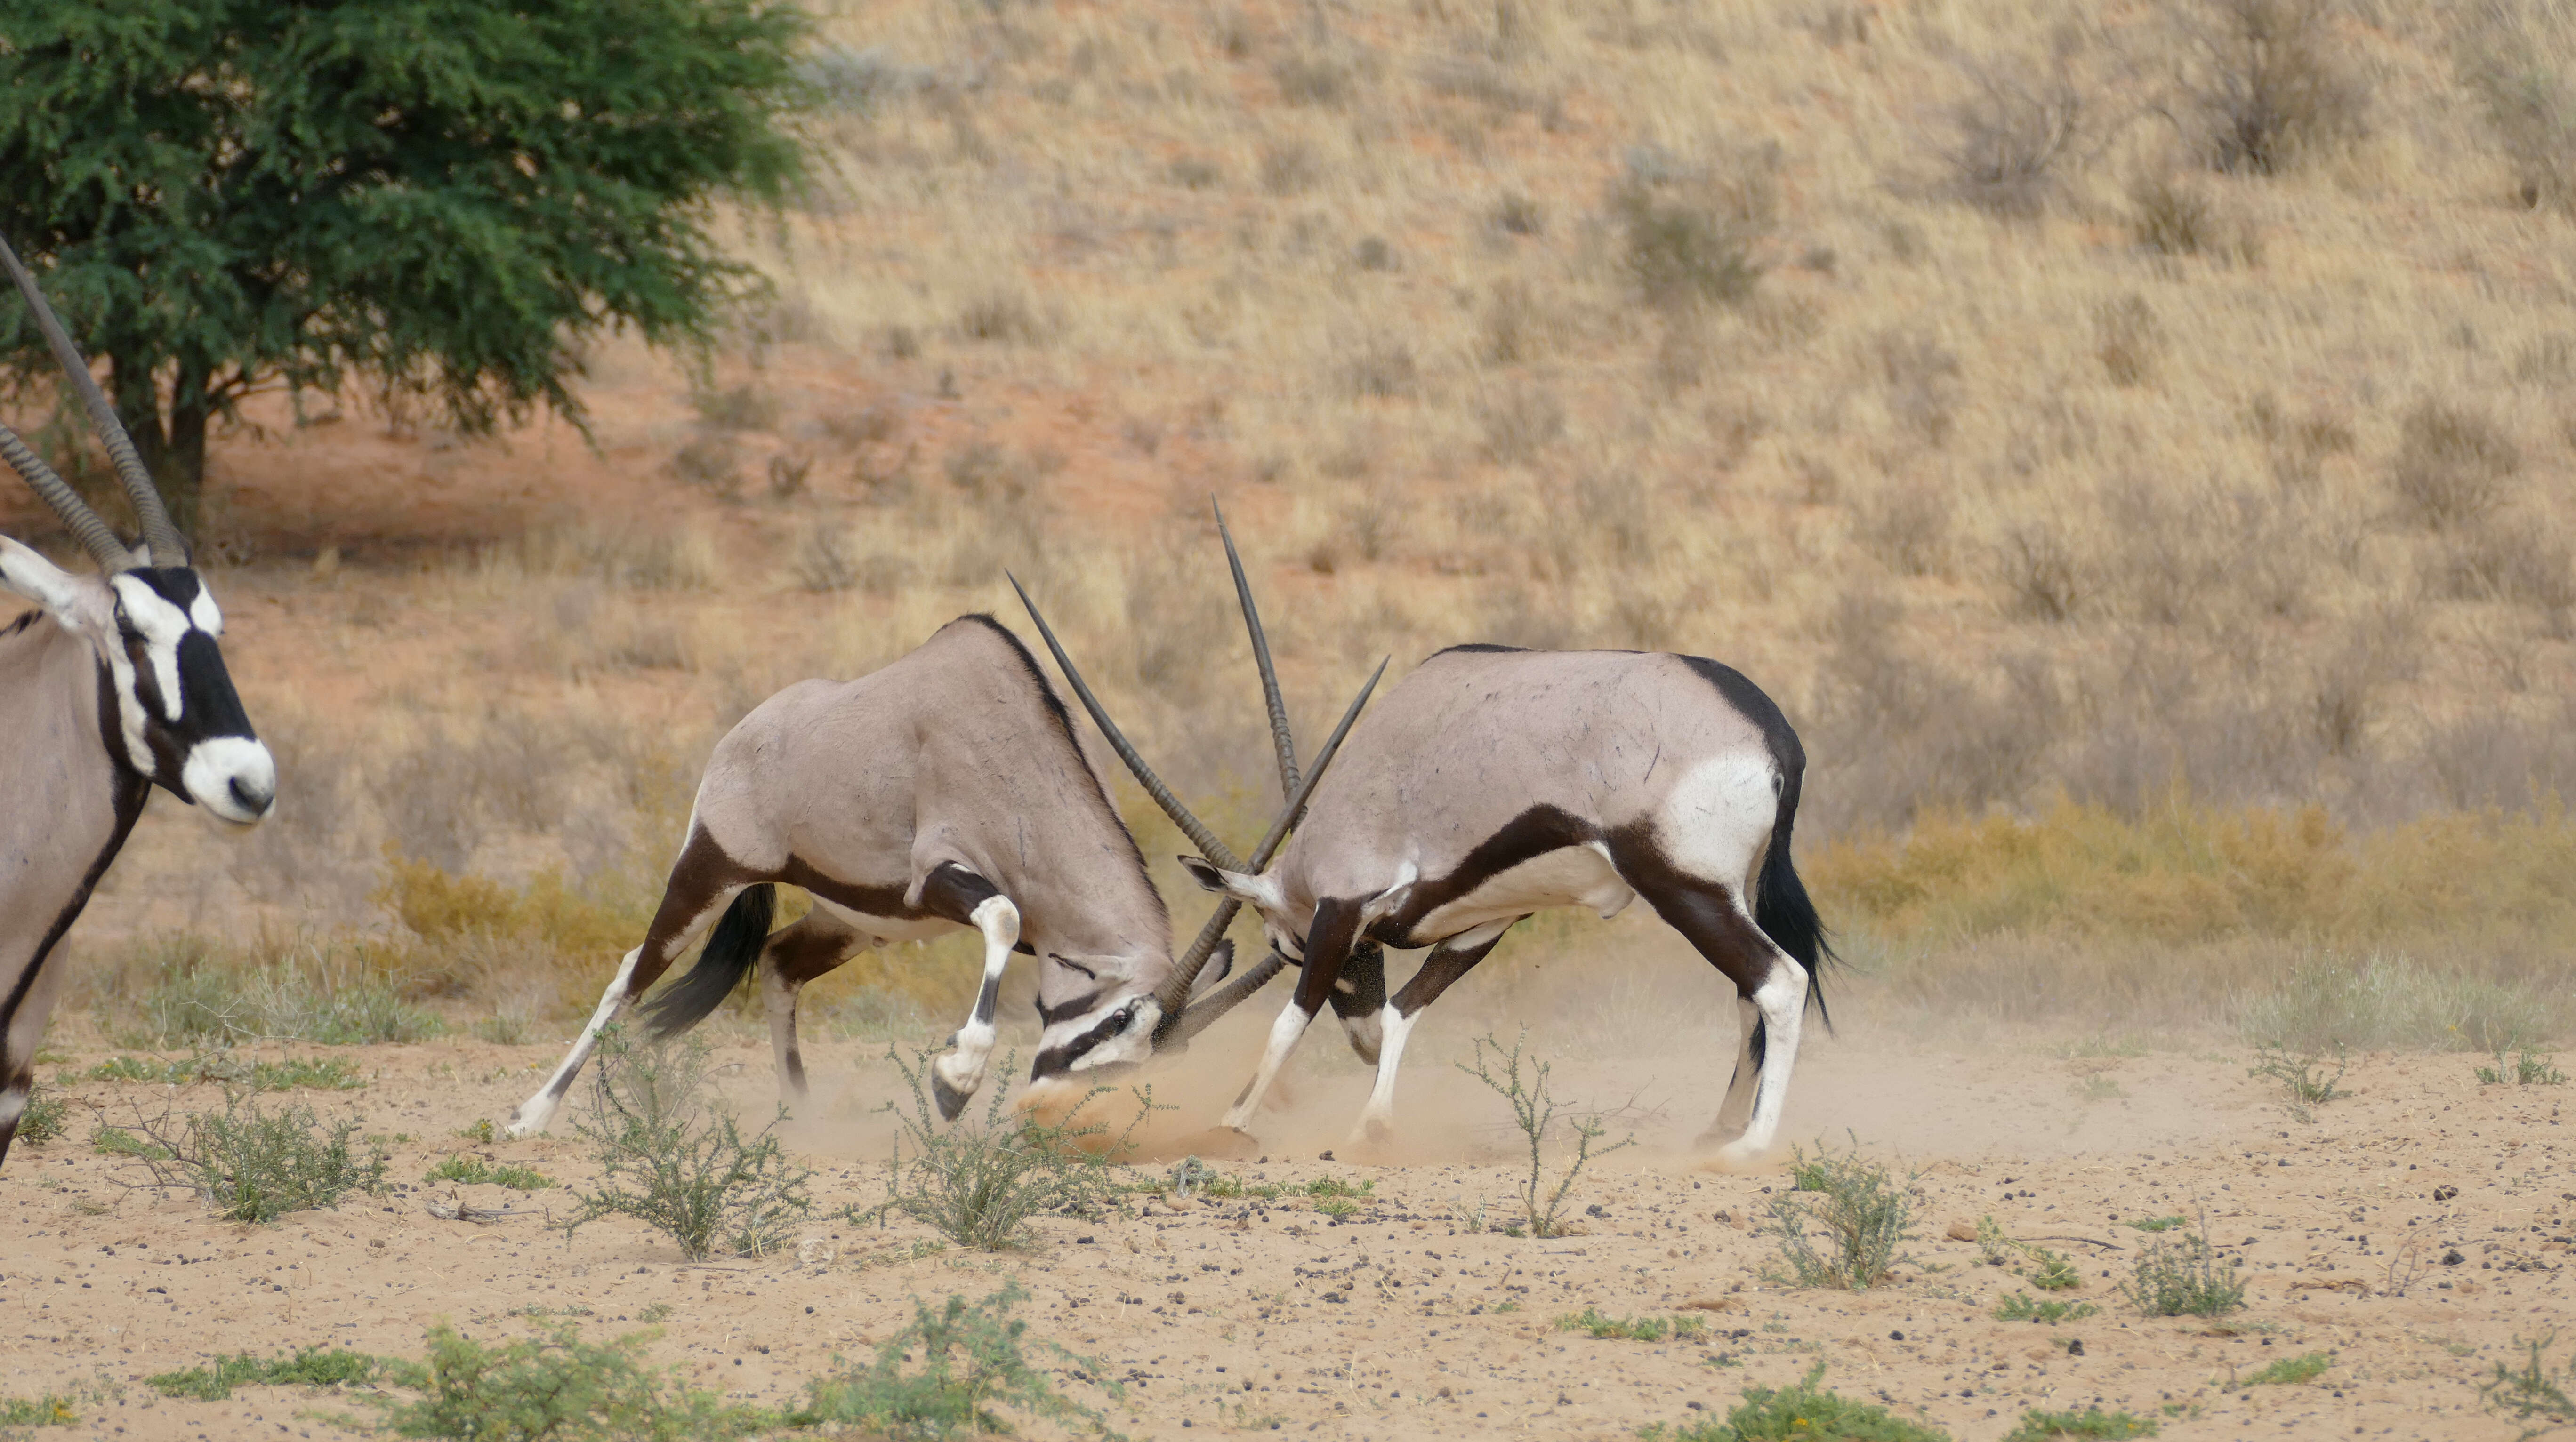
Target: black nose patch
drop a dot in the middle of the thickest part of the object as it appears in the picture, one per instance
(208, 705)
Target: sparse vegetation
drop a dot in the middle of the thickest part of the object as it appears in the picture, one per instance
(1593, 1323)
(973, 1366)
(1796, 1413)
(980, 1182)
(44, 1117)
(2289, 1371)
(1864, 1216)
(2181, 1277)
(2089, 1424)
(219, 1067)
(53, 1409)
(2533, 1391)
(2527, 1069)
(554, 1384)
(251, 1162)
(2157, 1224)
(475, 1172)
(2023, 1307)
(310, 1367)
(2265, 82)
(2301, 1077)
(1524, 1084)
(670, 1158)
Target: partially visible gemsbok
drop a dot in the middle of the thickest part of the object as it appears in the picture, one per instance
(112, 685)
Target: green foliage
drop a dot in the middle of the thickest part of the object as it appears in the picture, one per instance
(1800, 1413)
(311, 1367)
(2023, 1307)
(973, 1363)
(475, 1172)
(1689, 240)
(2155, 1224)
(1534, 1111)
(297, 1073)
(2047, 1270)
(674, 1162)
(447, 197)
(2528, 1070)
(2089, 1424)
(54, 1409)
(251, 1163)
(2181, 1277)
(557, 1387)
(978, 1183)
(45, 1116)
(1864, 1215)
(1630, 1329)
(2533, 1392)
(205, 1000)
(2301, 1077)
(2290, 1371)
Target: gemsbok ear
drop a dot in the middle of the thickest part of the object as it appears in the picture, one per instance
(1210, 878)
(28, 574)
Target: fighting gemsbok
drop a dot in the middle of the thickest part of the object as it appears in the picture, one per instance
(1495, 782)
(111, 686)
(944, 790)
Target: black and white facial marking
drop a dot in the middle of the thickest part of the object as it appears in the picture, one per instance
(1096, 1019)
(180, 721)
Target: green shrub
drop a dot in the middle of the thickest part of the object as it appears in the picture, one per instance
(45, 1116)
(2384, 1001)
(973, 1362)
(2022, 1307)
(251, 1163)
(2182, 1277)
(2155, 1224)
(555, 1386)
(475, 1172)
(54, 1409)
(311, 1367)
(669, 1159)
(1534, 1111)
(2302, 1078)
(1800, 1413)
(319, 994)
(2089, 1424)
(978, 1182)
(2533, 1392)
(298, 1073)
(2527, 1070)
(2290, 1371)
(1630, 1329)
(1865, 1217)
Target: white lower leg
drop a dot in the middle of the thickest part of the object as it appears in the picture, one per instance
(962, 1070)
(1284, 1032)
(538, 1112)
(1733, 1112)
(778, 998)
(1378, 1117)
(1783, 1000)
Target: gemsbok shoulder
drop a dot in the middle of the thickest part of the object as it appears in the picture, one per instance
(1494, 782)
(946, 789)
(114, 684)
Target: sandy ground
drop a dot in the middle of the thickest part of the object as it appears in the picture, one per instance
(1397, 1322)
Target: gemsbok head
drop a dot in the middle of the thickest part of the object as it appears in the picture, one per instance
(114, 684)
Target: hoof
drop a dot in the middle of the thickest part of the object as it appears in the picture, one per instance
(951, 1100)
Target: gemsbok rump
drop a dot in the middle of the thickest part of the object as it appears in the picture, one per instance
(112, 685)
(1495, 782)
(946, 789)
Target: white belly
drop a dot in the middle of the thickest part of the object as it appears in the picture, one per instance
(1571, 876)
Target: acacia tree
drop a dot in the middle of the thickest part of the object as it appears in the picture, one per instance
(439, 198)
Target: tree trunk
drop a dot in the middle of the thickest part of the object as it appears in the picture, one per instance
(173, 448)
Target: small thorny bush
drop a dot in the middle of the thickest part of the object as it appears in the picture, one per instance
(672, 1159)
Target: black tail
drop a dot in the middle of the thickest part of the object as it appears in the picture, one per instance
(728, 959)
(1784, 912)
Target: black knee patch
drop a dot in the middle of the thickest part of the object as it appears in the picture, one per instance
(1361, 989)
(952, 893)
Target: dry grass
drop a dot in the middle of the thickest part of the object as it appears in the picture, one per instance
(2123, 450)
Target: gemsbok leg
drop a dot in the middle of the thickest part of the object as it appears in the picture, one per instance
(795, 954)
(1447, 962)
(1329, 940)
(703, 883)
(960, 895)
(1769, 983)
(1359, 1000)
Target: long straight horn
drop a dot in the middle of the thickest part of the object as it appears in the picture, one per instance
(1185, 974)
(1280, 737)
(168, 547)
(1200, 837)
(94, 534)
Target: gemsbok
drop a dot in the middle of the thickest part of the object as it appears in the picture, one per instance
(1494, 782)
(946, 789)
(112, 685)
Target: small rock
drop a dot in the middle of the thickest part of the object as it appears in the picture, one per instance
(2074, 1346)
(1896, 1336)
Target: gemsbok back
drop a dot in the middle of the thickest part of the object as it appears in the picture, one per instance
(944, 790)
(1495, 782)
(112, 685)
